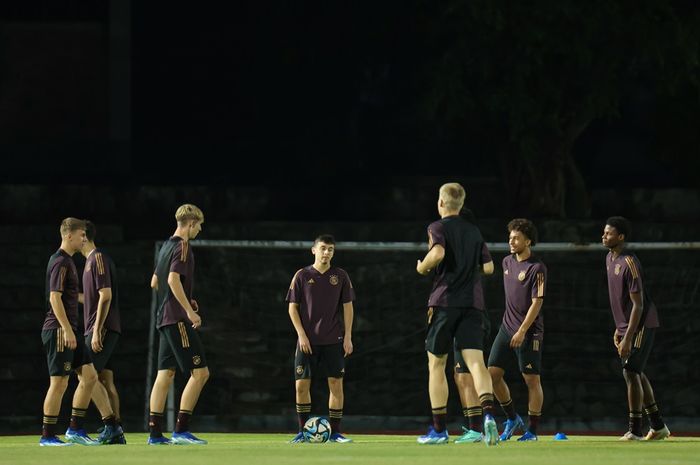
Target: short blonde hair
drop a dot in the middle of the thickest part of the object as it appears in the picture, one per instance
(188, 212)
(70, 225)
(453, 195)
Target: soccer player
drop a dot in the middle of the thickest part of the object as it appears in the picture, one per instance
(102, 327)
(177, 320)
(522, 329)
(636, 321)
(455, 313)
(320, 306)
(63, 352)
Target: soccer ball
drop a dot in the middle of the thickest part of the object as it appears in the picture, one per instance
(317, 429)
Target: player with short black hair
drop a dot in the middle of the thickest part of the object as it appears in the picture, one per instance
(636, 321)
(320, 300)
(63, 352)
(102, 328)
(455, 310)
(522, 329)
(177, 320)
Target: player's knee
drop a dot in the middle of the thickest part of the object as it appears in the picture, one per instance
(532, 381)
(201, 374)
(630, 376)
(88, 378)
(335, 384)
(302, 387)
(496, 374)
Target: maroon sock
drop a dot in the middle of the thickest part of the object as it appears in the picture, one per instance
(439, 419)
(335, 415)
(48, 426)
(155, 420)
(183, 421)
(476, 418)
(303, 413)
(77, 418)
(534, 421)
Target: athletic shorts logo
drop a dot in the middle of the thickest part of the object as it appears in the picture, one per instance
(66, 366)
(521, 276)
(617, 269)
(196, 360)
(334, 280)
(300, 369)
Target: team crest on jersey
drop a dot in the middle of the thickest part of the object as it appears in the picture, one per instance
(334, 280)
(196, 360)
(521, 276)
(300, 369)
(66, 366)
(617, 269)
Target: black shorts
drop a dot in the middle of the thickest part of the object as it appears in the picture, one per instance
(641, 348)
(60, 359)
(180, 345)
(460, 364)
(326, 361)
(529, 354)
(448, 327)
(101, 359)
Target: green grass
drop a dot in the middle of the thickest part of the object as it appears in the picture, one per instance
(263, 449)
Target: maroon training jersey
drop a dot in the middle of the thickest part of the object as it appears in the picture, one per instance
(523, 281)
(62, 276)
(176, 256)
(457, 281)
(100, 273)
(321, 297)
(624, 278)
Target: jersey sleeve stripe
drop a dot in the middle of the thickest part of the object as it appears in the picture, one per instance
(183, 251)
(632, 266)
(61, 278)
(100, 264)
(540, 284)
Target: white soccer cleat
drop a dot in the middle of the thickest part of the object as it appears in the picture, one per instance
(657, 434)
(630, 436)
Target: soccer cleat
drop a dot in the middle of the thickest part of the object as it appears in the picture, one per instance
(630, 436)
(490, 431)
(339, 438)
(511, 426)
(159, 441)
(469, 436)
(118, 440)
(79, 436)
(109, 433)
(53, 441)
(528, 436)
(657, 434)
(186, 438)
(433, 437)
(298, 438)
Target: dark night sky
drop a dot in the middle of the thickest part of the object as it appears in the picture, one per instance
(281, 91)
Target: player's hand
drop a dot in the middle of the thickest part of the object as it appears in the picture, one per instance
(420, 270)
(347, 346)
(624, 348)
(96, 341)
(304, 344)
(616, 340)
(517, 339)
(195, 306)
(69, 339)
(195, 319)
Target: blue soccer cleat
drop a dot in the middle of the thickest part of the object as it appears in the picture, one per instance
(528, 436)
(433, 437)
(159, 441)
(53, 441)
(110, 433)
(511, 426)
(186, 438)
(490, 431)
(298, 438)
(339, 438)
(79, 436)
(469, 436)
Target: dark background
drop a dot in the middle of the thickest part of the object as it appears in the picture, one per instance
(286, 119)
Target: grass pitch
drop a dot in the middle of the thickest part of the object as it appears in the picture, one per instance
(273, 449)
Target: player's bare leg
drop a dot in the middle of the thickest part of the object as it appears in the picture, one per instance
(471, 407)
(87, 378)
(535, 399)
(437, 381)
(658, 429)
(193, 388)
(336, 399)
(500, 388)
(159, 394)
(303, 391)
(106, 378)
(484, 387)
(54, 395)
(635, 394)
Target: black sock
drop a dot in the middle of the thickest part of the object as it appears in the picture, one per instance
(335, 415)
(439, 419)
(155, 420)
(654, 415)
(534, 420)
(635, 423)
(77, 418)
(109, 421)
(303, 413)
(487, 403)
(183, 421)
(48, 426)
(476, 418)
(509, 409)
